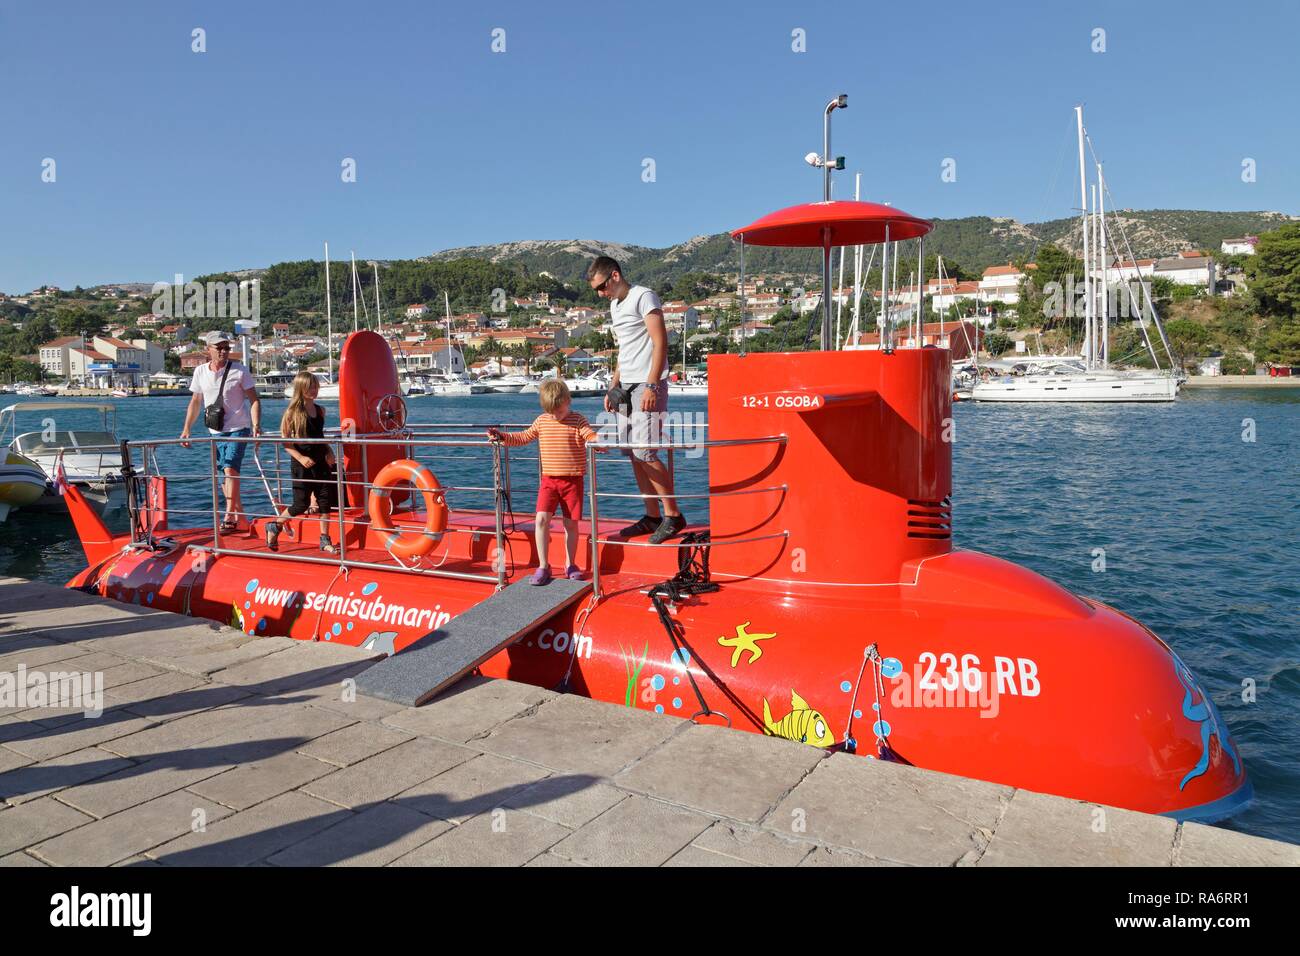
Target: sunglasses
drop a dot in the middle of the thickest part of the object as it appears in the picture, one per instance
(601, 287)
(222, 348)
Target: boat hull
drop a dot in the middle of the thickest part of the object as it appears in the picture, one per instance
(1077, 388)
(986, 669)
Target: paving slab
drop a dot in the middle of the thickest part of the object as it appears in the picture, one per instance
(251, 783)
(471, 708)
(80, 733)
(497, 838)
(722, 771)
(1201, 845)
(305, 663)
(891, 811)
(577, 735)
(354, 743)
(375, 836)
(692, 855)
(1039, 830)
(253, 835)
(36, 821)
(478, 785)
(20, 859)
(49, 776)
(193, 730)
(542, 859)
(105, 842)
(145, 781)
(636, 832)
(751, 845)
(38, 653)
(9, 759)
(219, 654)
(158, 690)
(836, 856)
(566, 799)
(389, 773)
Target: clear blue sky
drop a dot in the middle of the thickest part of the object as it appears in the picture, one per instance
(172, 161)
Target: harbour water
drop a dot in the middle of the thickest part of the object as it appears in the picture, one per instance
(1181, 515)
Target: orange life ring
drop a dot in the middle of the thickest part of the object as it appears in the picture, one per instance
(418, 543)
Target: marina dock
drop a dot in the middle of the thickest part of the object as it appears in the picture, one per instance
(217, 748)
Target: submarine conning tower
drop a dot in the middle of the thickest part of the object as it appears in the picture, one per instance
(863, 480)
(859, 490)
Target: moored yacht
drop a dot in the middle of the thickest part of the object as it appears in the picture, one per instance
(89, 458)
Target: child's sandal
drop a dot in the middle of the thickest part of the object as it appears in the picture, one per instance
(327, 545)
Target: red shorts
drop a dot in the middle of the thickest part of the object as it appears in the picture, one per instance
(564, 490)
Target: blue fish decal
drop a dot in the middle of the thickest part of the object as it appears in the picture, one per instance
(1208, 716)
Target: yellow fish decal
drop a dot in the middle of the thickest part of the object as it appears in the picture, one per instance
(803, 724)
(236, 617)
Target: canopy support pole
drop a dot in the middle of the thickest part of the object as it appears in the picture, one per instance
(826, 288)
(887, 321)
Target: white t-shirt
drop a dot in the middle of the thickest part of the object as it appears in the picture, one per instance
(635, 347)
(206, 382)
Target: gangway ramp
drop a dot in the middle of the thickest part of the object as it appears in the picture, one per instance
(418, 673)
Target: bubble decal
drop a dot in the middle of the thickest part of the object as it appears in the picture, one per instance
(891, 667)
(680, 659)
(659, 708)
(677, 703)
(845, 686)
(881, 728)
(370, 588)
(251, 586)
(657, 682)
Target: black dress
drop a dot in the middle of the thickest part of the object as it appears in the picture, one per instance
(319, 479)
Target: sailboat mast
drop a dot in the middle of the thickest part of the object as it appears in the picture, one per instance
(329, 315)
(1087, 283)
(354, 292)
(379, 319)
(857, 268)
(446, 301)
(1105, 268)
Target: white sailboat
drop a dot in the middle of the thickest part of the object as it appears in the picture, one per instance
(1091, 378)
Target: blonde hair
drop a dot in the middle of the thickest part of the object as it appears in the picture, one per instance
(554, 393)
(293, 424)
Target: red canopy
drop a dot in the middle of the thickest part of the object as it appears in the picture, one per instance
(851, 223)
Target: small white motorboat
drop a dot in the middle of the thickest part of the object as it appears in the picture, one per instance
(91, 457)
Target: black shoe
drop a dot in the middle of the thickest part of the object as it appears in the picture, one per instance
(273, 536)
(645, 525)
(670, 527)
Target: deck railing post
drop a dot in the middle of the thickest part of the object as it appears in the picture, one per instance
(497, 472)
(212, 471)
(339, 504)
(595, 523)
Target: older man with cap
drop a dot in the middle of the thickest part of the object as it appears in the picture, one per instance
(224, 393)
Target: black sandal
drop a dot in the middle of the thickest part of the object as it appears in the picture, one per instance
(327, 545)
(229, 526)
(273, 535)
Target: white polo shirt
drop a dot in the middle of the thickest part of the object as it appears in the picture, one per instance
(635, 347)
(206, 382)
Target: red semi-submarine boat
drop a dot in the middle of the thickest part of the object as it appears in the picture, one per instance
(826, 603)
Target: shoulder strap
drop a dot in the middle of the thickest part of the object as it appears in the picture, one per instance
(221, 389)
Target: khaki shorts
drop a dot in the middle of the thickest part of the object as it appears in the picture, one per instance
(645, 427)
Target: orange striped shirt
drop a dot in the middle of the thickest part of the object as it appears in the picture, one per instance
(560, 442)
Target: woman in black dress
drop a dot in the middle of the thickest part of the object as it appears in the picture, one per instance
(312, 467)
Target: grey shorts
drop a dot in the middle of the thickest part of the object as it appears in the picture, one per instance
(646, 427)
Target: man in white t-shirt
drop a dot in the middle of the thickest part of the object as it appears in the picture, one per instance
(637, 320)
(222, 383)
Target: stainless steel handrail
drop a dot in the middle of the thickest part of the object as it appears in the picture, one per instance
(595, 494)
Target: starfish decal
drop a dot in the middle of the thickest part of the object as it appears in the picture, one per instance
(744, 641)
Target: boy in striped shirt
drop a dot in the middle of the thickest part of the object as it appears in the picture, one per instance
(560, 434)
